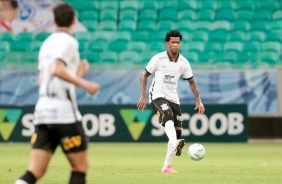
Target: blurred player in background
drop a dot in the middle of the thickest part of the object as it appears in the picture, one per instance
(167, 67)
(30, 16)
(57, 119)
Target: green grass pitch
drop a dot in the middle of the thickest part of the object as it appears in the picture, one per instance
(139, 163)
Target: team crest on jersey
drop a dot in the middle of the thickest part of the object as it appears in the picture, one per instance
(164, 107)
(181, 69)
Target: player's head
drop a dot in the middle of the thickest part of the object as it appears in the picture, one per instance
(7, 9)
(173, 39)
(64, 15)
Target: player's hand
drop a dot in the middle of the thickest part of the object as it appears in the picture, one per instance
(91, 87)
(200, 106)
(141, 105)
(83, 68)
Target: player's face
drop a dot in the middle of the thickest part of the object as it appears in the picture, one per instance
(173, 45)
(5, 9)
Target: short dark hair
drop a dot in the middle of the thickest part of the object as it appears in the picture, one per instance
(14, 4)
(173, 33)
(64, 15)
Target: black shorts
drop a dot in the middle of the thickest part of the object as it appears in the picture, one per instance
(71, 137)
(173, 108)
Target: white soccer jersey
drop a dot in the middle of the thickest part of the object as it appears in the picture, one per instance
(57, 98)
(166, 76)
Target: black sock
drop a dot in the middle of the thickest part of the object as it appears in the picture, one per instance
(28, 177)
(77, 178)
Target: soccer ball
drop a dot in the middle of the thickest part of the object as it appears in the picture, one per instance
(196, 151)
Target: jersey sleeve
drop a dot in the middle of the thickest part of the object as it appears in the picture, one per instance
(187, 73)
(64, 51)
(152, 65)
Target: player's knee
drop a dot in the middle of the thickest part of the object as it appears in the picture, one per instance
(81, 167)
(167, 116)
(178, 133)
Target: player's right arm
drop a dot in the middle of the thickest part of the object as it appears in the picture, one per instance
(143, 81)
(58, 69)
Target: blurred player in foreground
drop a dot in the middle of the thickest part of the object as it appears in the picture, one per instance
(57, 119)
(167, 67)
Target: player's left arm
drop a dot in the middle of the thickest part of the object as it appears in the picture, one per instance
(195, 90)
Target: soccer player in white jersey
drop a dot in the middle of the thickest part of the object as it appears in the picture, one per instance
(57, 119)
(167, 68)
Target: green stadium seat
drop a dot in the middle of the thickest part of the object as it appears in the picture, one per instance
(245, 5)
(108, 15)
(168, 5)
(194, 46)
(147, 56)
(111, 5)
(271, 46)
(14, 57)
(81, 6)
(147, 25)
(168, 14)
(200, 36)
(260, 25)
(186, 15)
(263, 15)
(186, 26)
(97, 46)
(127, 25)
(35, 45)
(19, 46)
(88, 15)
(137, 46)
(107, 25)
(206, 15)
(150, 5)
(252, 47)
(207, 5)
(227, 57)
(105, 36)
(274, 36)
(245, 15)
(41, 36)
(203, 25)
(213, 47)
(117, 46)
(7, 36)
(2, 59)
(129, 5)
(221, 25)
(237, 36)
(266, 5)
(220, 36)
(121, 36)
(4, 46)
(256, 36)
(157, 46)
(148, 15)
(276, 25)
(109, 57)
(91, 57)
(128, 15)
(24, 36)
(277, 15)
(207, 58)
(30, 58)
(83, 36)
(241, 26)
(268, 58)
(129, 57)
(140, 36)
(225, 15)
(91, 25)
(192, 57)
(233, 46)
(226, 5)
(187, 5)
(83, 46)
(166, 25)
(158, 36)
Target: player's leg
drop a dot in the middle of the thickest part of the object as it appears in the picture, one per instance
(43, 146)
(178, 127)
(75, 148)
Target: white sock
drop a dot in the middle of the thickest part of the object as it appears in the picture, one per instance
(19, 181)
(169, 154)
(171, 133)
